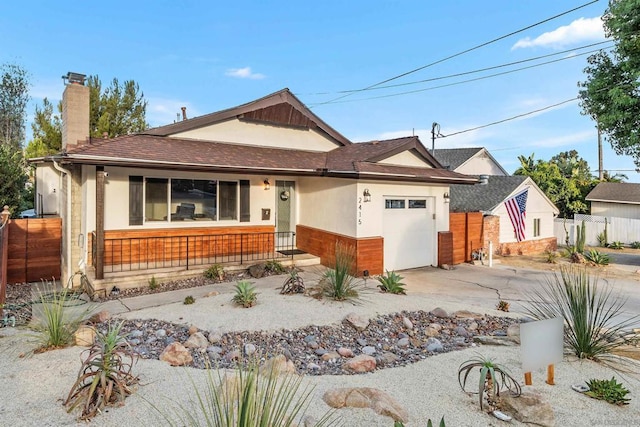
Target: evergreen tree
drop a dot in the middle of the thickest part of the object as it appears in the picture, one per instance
(14, 96)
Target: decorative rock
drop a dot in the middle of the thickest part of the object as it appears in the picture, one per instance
(312, 366)
(197, 340)
(407, 323)
(309, 338)
(330, 355)
(529, 408)
(134, 342)
(403, 342)
(431, 332)
(215, 336)
(357, 322)
(278, 365)
(439, 312)
(84, 336)
(465, 314)
(214, 349)
(473, 326)
(232, 355)
(368, 350)
(460, 330)
(176, 355)
(434, 345)
(136, 333)
(211, 294)
(402, 335)
(366, 397)
(359, 364)
(386, 358)
(192, 330)
(313, 345)
(161, 333)
(361, 341)
(491, 340)
(257, 270)
(345, 352)
(513, 332)
(436, 326)
(249, 349)
(320, 351)
(100, 317)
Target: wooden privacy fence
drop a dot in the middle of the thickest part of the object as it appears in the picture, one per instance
(466, 230)
(33, 249)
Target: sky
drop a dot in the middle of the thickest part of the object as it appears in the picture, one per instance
(209, 56)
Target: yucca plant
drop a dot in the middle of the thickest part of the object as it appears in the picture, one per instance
(391, 283)
(250, 397)
(493, 379)
(339, 282)
(596, 257)
(294, 283)
(105, 377)
(591, 312)
(246, 295)
(429, 423)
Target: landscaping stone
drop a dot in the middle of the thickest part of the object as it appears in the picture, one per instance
(466, 314)
(279, 365)
(357, 322)
(176, 355)
(192, 330)
(360, 363)
(257, 270)
(434, 345)
(100, 317)
(493, 340)
(529, 408)
(513, 332)
(197, 340)
(386, 358)
(161, 333)
(407, 322)
(367, 397)
(403, 343)
(214, 349)
(214, 336)
(369, 350)
(345, 352)
(84, 336)
(330, 355)
(361, 342)
(439, 312)
(250, 349)
(232, 355)
(211, 294)
(431, 332)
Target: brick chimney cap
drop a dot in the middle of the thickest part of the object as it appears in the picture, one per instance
(74, 78)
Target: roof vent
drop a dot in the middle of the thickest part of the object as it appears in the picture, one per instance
(74, 78)
(484, 179)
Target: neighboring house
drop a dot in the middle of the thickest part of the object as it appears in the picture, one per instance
(269, 171)
(615, 199)
(469, 161)
(490, 199)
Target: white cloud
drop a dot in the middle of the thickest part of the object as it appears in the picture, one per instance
(163, 111)
(244, 73)
(583, 30)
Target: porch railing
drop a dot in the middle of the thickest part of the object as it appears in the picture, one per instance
(188, 251)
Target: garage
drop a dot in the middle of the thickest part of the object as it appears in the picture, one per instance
(408, 231)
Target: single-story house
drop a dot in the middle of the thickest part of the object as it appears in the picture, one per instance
(615, 199)
(250, 179)
(491, 199)
(469, 161)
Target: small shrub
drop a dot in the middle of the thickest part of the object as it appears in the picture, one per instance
(609, 390)
(153, 283)
(391, 283)
(294, 283)
(189, 300)
(105, 377)
(339, 283)
(617, 245)
(215, 272)
(635, 245)
(274, 266)
(590, 312)
(246, 295)
(597, 258)
(503, 305)
(493, 379)
(551, 256)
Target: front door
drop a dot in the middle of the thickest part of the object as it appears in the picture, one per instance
(285, 214)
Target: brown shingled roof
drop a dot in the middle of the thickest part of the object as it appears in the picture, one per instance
(615, 192)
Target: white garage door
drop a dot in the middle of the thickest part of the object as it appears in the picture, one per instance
(408, 231)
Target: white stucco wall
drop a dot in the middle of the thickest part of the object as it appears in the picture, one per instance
(48, 185)
(328, 204)
(537, 207)
(406, 158)
(480, 165)
(261, 134)
(619, 210)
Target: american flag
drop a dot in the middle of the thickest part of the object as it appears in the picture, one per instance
(517, 209)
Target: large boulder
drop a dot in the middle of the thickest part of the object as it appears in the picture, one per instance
(176, 355)
(257, 270)
(529, 408)
(367, 397)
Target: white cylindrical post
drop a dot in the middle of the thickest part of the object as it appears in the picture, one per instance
(490, 253)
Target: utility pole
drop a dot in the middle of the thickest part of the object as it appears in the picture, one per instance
(600, 171)
(435, 133)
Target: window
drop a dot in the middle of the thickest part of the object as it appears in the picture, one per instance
(536, 227)
(179, 199)
(394, 203)
(417, 204)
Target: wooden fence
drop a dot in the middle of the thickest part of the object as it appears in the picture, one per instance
(33, 249)
(466, 228)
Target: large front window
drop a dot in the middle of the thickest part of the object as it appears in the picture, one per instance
(178, 199)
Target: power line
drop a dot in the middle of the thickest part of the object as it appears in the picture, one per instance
(462, 81)
(464, 73)
(462, 53)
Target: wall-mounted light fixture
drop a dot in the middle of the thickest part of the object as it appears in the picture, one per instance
(267, 184)
(366, 196)
(446, 197)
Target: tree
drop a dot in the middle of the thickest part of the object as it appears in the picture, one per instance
(14, 96)
(611, 93)
(14, 178)
(116, 110)
(565, 180)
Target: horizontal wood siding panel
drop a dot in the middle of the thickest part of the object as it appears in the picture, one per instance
(457, 227)
(369, 251)
(445, 248)
(34, 249)
(474, 233)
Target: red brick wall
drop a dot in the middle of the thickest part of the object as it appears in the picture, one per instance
(491, 232)
(528, 247)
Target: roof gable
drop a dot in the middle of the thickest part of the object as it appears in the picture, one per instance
(457, 158)
(615, 192)
(281, 108)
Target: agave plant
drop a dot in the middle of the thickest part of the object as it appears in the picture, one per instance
(105, 377)
(246, 294)
(596, 257)
(493, 379)
(294, 283)
(391, 283)
(591, 312)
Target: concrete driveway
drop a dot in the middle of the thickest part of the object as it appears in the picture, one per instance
(481, 287)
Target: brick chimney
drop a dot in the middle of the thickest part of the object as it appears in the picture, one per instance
(75, 110)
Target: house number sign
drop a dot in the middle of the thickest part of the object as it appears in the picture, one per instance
(359, 210)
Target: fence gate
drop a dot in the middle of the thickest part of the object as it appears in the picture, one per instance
(466, 228)
(34, 249)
